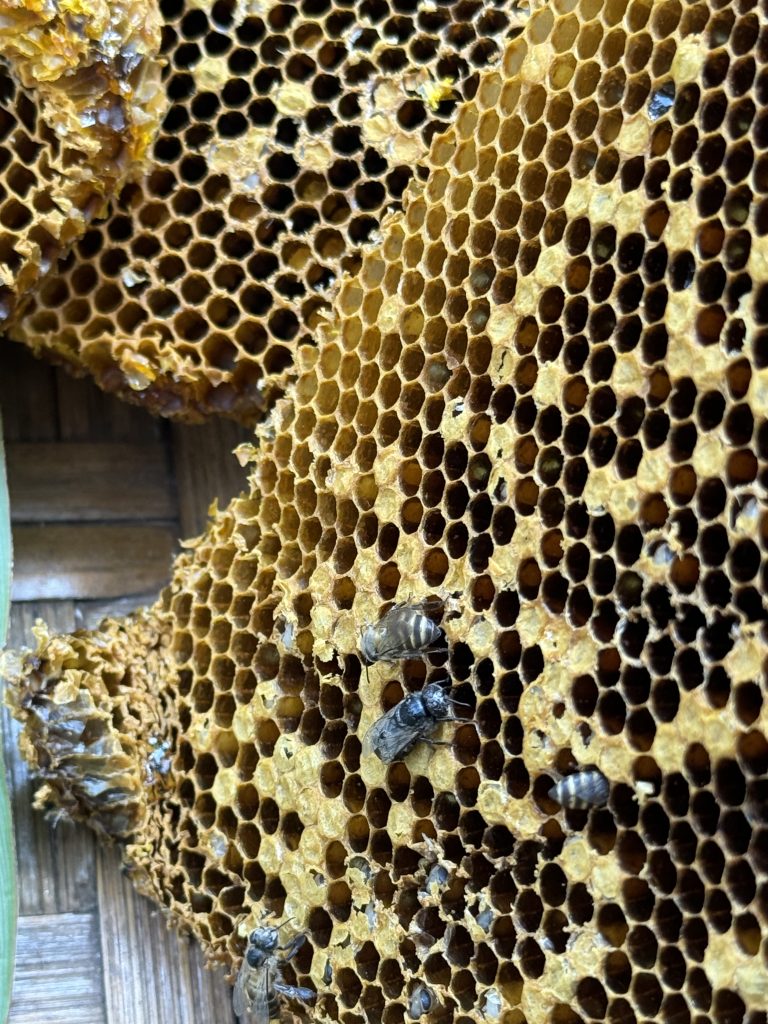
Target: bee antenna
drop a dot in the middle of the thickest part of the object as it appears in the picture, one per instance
(363, 659)
(458, 703)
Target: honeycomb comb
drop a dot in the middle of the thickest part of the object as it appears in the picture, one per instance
(80, 102)
(540, 399)
(290, 131)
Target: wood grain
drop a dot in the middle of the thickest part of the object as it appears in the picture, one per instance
(86, 414)
(89, 614)
(90, 481)
(68, 561)
(206, 469)
(27, 396)
(135, 936)
(58, 971)
(90, 949)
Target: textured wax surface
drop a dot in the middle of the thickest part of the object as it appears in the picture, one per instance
(542, 401)
(80, 102)
(291, 129)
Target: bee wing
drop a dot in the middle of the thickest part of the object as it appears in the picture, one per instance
(393, 647)
(260, 1003)
(388, 739)
(424, 605)
(240, 999)
(393, 650)
(251, 995)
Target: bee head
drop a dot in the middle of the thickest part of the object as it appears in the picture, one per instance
(436, 701)
(261, 942)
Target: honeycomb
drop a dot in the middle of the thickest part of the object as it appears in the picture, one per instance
(539, 402)
(291, 129)
(80, 102)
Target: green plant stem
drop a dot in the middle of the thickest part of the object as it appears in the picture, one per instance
(8, 890)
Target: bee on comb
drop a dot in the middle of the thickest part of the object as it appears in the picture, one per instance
(259, 985)
(413, 719)
(584, 789)
(405, 631)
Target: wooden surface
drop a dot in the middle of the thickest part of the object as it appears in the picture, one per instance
(100, 493)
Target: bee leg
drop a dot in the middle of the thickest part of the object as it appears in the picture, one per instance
(438, 743)
(294, 946)
(464, 721)
(363, 659)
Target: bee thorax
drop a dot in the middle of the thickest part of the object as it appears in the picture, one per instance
(410, 711)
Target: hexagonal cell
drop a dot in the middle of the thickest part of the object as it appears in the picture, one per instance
(265, 182)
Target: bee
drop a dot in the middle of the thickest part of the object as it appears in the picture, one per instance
(492, 1006)
(585, 789)
(438, 876)
(415, 718)
(328, 973)
(258, 984)
(402, 632)
(421, 1001)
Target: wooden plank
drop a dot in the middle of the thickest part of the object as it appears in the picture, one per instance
(56, 866)
(27, 395)
(206, 469)
(85, 481)
(152, 976)
(85, 413)
(58, 975)
(88, 614)
(90, 561)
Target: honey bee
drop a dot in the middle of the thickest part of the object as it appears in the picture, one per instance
(415, 718)
(438, 876)
(421, 1002)
(258, 985)
(585, 789)
(402, 632)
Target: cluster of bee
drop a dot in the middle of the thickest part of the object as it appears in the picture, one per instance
(404, 632)
(259, 983)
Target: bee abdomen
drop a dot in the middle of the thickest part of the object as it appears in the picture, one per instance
(585, 789)
(410, 630)
(273, 1005)
(425, 632)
